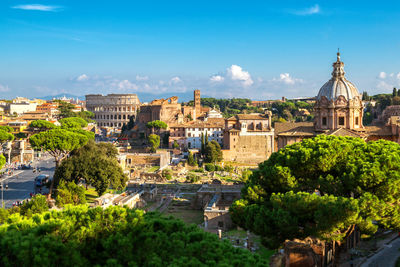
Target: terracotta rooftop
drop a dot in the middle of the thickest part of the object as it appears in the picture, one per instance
(345, 132)
(378, 130)
(248, 117)
(294, 129)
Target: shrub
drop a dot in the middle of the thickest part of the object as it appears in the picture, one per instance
(70, 193)
(192, 178)
(218, 168)
(228, 168)
(167, 174)
(37, 204)
(199, 170)
(209, 167)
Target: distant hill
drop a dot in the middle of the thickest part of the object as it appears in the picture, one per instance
(50, 97)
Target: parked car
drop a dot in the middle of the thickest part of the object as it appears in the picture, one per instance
(25, 167)
(41, 180)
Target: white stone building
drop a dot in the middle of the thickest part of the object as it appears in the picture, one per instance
(188, 135)
(19, 108)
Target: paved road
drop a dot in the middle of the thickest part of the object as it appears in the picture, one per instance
(20, 184)
(386, 257)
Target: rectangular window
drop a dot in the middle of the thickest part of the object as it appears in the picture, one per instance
(356, 120)
(341, 121)
(324, 121)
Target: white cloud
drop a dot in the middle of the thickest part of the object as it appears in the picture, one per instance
(4, 88)
(315, 9)
(141, 78)
(382, 85)
(217, 78)
(382, 75)
(127, 85)
(37, 7)
(287, 79)
(236, 72)
(386, 82)
(82, 78)
(176, 80)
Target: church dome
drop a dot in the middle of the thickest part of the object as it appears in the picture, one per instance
(338, 85)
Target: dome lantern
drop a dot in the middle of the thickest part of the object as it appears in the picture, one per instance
(338, 85)
(338, 103)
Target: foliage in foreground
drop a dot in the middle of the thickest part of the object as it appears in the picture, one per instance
(70, 193)
(116, 236)
(320, 187)
(96, 164)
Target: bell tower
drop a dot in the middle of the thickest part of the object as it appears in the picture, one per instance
(197, 103)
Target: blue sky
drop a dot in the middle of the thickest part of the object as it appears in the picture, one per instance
(255, 49)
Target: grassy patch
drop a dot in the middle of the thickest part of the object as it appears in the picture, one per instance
(91, 195)
(235, 233)
(188, 216)
(153, 169)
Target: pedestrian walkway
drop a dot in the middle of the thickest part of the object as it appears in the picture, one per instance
(387, 257)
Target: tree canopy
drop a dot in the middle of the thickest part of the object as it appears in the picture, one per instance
(59, 143)
(157, 124)
(96, 164)
(21, 135)
(41, 125)
(175, 145)
(320, 187)
(154, 141)
(6, 128)
(86, 115)
(191, 161)
(90, 135)
(65, 109)
(116, 236)
(5, 136)
(2, 161)
(213, 153)
(73, 123)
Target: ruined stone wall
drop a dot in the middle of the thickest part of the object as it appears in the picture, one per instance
(249, 149)
(218, 220)
(112, 110)
(137, 160)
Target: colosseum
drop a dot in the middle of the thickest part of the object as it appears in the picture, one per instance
(112, 110)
